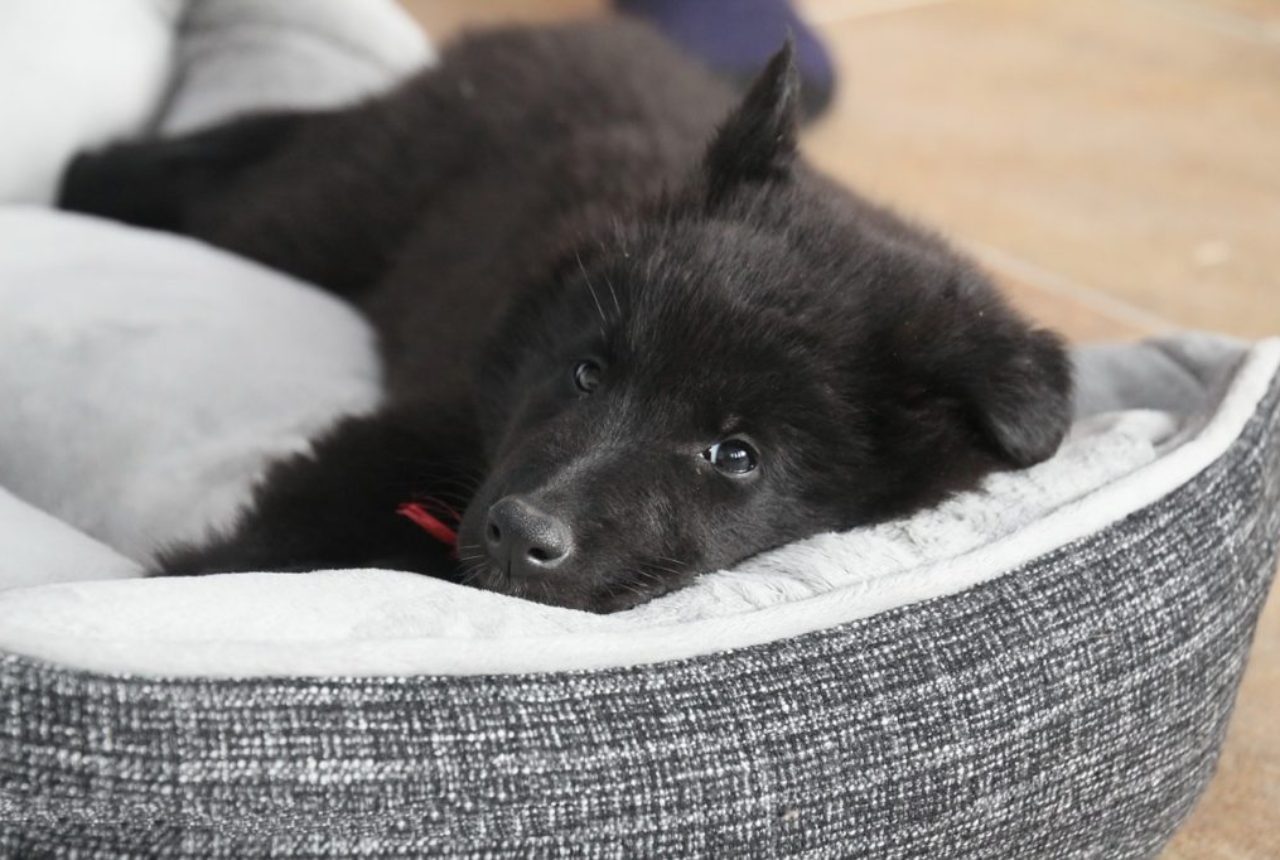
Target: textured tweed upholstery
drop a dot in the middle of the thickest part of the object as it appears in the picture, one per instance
(1073, 707)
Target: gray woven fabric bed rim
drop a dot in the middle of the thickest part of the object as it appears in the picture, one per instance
(1071, 708)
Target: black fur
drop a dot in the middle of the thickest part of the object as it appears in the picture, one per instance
(585, 192)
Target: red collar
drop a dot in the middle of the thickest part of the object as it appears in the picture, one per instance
(430, 515)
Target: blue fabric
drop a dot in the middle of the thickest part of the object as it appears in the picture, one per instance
(737, 37)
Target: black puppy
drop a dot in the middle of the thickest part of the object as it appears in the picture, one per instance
(624, 328)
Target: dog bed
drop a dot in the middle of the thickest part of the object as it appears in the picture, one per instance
(1040, 668)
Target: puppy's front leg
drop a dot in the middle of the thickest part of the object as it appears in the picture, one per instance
(338, 506)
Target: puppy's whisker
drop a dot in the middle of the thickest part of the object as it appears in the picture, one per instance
(592, 290)
(472, 572)
(458, 486)
(621, 235)
(613, 294)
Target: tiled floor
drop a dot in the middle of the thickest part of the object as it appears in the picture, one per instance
(1116, 163)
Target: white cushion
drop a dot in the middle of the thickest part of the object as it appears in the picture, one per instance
(74, 74)
(147, 378)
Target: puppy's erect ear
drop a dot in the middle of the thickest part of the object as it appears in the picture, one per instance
(758, 140)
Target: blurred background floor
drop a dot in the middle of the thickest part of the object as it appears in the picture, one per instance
(1116, 164)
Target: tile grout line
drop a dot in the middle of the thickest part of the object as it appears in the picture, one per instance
(865, 9)
(1055, 284)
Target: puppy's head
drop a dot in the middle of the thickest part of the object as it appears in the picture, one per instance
(759, 358)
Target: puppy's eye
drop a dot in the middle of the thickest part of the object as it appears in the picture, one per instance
(732, 456)
(586, 375)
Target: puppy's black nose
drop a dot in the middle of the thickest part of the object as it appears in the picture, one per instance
(530, 540)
